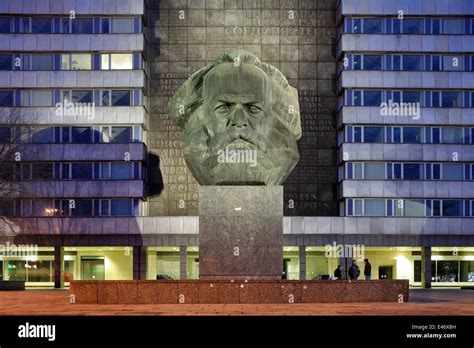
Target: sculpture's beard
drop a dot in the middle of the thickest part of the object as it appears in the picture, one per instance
(239, 157)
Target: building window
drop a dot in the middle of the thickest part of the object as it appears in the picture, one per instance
(452, 171)
(121, 98)
(374, 171)
(5, 26)
(452, 208)
(121, 207)
(412, 135)
(452, 135)
(122, 171)
(41, 98)
(412, 62)
(6, 98)
(81, 171)
(411, 97)
(451, 99)
(119, 61)
(42, 171)
(41, 25)
(122, 25)
(76, 61)
(121, 134)
(453, 26)
(81, 135)
(42, 135)
(5, 135)
(42, 62)
(414, 208)
(372, 62)
(372, 98)
(77, 26)
(373, 25)
(81, 96)
(373, 135)
(7, 207)
(412, 171)
(374, 207)
(453, 63)
(6, 62)
(81, 207)
(412, 26)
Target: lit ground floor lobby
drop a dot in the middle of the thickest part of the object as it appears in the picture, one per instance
(48, 267)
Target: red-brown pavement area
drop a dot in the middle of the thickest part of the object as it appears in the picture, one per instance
(422, 302)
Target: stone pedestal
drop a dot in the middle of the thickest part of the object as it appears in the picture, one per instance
(241, 232)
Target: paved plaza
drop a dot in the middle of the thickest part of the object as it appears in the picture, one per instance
(422, 302)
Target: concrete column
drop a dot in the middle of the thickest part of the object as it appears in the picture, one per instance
(139, 263)
(182, 262)
(426, 267)
(346, 263)
(58, 267)
(302, 257)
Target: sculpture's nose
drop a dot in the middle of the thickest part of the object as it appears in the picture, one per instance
(239, 119)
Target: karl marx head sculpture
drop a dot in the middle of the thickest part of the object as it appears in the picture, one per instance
(240, 121)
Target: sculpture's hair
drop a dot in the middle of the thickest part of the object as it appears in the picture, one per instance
(189, 98)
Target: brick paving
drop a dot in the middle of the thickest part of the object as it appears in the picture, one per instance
(422, 302)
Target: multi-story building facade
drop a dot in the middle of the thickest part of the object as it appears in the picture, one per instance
(90, 81)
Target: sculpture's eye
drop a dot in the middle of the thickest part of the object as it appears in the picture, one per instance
(254, 109)
(222, 107)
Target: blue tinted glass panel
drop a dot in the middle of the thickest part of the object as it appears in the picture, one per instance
(412, 26)
(357, 25)
(357, 134)
(412, 63)
(397, 171)
(373, 25)
(372, 62)
(82, 26)
(5, 25)
(452, 171)
(397, 135)
(412, 171)
(412, 97)
(81, 171)
(41, 25)
(6, 98)
(82, 208)
(5, 61)
(397, 62)
(412, 135)
(372, 98)
(373, 134)
(121, 98)
(452, 208)
(81, 97)
(451, 99)
(357, 98)
(396, 23)
(436, 26)
(436, 171)
(121, 207)
(357, 61)
(81, 135)
(453, 26)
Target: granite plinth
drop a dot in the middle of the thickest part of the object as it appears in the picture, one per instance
(240, 232)
(252, 291)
